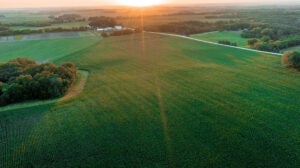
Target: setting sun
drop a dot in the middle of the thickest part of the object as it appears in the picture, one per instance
(141, 3)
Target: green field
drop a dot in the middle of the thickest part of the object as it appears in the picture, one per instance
(154, 101)
(13, 17)
(232, 36)
(296, 48)
(60, 25)
(45, 50)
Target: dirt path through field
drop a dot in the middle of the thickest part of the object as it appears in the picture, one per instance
(78, 87)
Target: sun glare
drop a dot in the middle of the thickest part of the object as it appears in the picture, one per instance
(141, 3)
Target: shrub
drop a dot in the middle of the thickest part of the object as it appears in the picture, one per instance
(226, 42)
(252, 41)
(291, 59)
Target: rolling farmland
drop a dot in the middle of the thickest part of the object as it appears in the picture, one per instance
(155, 101)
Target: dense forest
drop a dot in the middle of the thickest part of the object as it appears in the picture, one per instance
(22, 79)
(272, 37)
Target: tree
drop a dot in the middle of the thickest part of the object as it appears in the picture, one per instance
(252, 41)
(14, 68)
(48, 85)
(265, 39)
(291, 59)
(25, 82)
(264, 46)
(8, 72)
(233, 44)
(267, 32)
(226, 42)
(15, 93)
(67, 71)
(1, 87)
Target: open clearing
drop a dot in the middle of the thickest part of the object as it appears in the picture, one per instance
(160, 101)
(232, 36)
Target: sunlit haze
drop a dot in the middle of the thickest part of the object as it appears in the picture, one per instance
(99, 3)
(140, 3)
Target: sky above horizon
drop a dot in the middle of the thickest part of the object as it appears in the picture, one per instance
(85, 3)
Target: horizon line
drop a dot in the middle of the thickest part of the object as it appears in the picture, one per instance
(161, 5)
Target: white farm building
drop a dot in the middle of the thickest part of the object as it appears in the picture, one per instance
(118, 27)
(101, 29)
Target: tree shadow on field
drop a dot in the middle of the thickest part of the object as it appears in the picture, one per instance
(15, 127)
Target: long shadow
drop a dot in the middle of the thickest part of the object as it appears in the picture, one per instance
(15, 127)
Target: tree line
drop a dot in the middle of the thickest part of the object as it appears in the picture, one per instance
(102, 21)
(272, 37)
(195, 27)
(94, 22)
(8, 31)
(23, 79)
(66, 18)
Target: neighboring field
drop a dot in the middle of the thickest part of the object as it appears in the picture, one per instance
(159, 101)
(61, 25)
(46, 36)
(45, 50)
(15, 17)
(232, 36)
(296, 48)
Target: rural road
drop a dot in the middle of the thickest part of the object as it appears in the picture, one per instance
(208, 42)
